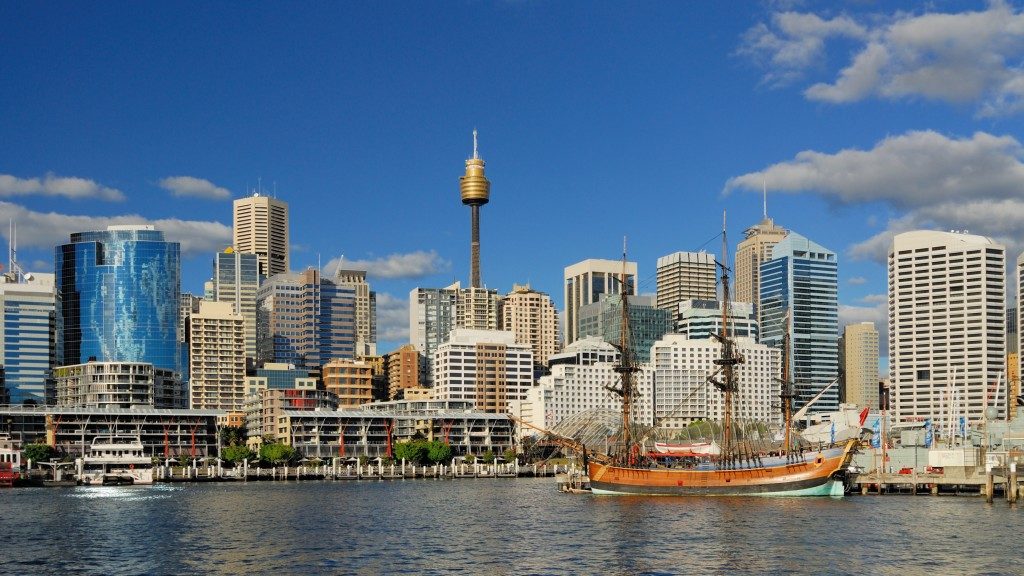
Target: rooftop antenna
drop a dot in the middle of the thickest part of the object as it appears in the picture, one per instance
(475, 156)
(259, 184)
(764, 201)
(275, 189)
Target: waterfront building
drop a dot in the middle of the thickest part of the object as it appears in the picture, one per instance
(350, 380)
(486, 367)
(859, 353)
(118, 298)
(165, 433)
(646, 322)
(265, 407)
(217, 358)
(117, 385)
(587, 281)
(686, 276)
(532, 317)
(236, 280)
(683, 395)
(261, 228)
(947, 324)
(305, 320)
(366, 307)
(579, 381)
(698, 319)
(403, 370)
(370, 429)
(755, 249)
(799, 295)
(27, 336)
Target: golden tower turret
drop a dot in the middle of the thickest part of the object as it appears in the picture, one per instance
(476, 191)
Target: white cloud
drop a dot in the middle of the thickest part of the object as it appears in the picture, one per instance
(194, 187)
(47, 229)
(951, 57)
(857, 280)
(417, 264)
(392, 318)
(53, 185)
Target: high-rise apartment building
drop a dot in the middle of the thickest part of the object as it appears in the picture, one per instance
(118, 297)
(478, 309)
(236, 280)
(366, 308)
(261, 228)
(799, 295)
(587, 281)
(947, 324)
(305, 320)
(117, 385)
(217, 358)
(486, 367)
(350, 380)
(647, 324)
(686, 276)
(435, 312)
(683, 395)
(532, 317)
(27, 336)
(755, 248)
(860, 364)
(403, 368)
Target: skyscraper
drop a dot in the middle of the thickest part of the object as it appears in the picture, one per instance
(27, 344)
(118, 295)
(217, 358)
(799, 294)
(686, 276)
(305, 320)
(476, 191)
(752, 251)
(532, 317)
(261, 228)
(236, 280)
(586, 281)
(947, 324)
(860, 364)
(647, 324)
(366, 308)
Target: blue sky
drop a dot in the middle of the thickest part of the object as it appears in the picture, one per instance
(597, 121)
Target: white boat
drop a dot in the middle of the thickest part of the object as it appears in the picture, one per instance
(847, 423)
(691, 449)
(114, 460)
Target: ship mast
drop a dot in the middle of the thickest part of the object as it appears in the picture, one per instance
(729, 358)
(786, 392)
(625, 367)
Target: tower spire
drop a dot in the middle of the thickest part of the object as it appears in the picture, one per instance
(475, 155)
(764, 200)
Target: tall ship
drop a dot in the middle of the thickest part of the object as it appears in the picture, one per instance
(113, 461)
(731, 464)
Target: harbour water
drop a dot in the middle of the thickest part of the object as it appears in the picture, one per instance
(494, 526)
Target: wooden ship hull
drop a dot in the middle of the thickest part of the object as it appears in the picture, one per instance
(813, 473)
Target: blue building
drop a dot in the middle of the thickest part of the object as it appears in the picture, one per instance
(118, 297)
(647, 323)
(799, 293)
(26, 336)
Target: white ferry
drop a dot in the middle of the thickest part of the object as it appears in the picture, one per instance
(114, 460)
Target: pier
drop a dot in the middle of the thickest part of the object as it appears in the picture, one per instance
(397, 471)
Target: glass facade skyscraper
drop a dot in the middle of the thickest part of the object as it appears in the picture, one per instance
(27, 336)
(118, 294)
(647, 324)
(800, 284)
(236, 279)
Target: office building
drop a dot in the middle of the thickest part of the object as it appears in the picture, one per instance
(366, 307)
(118, 297)
(532, 317)
(947, 324)
(587, 281)
(860, 365)
(647, 323)
(683, 395)
(701, 318)
(305, 320)
(261, 228)
(27, 336)
(686, 276)
(756, 248)
(236, 280)
(799, 295)
(217, 358)
(486, 367)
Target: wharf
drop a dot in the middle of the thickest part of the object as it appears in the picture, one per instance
(356, 472)
(964, 481)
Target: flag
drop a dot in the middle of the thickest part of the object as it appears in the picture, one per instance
(863, 416)
(876, 440)
(832, 434)
(963, 427)
(928, 433)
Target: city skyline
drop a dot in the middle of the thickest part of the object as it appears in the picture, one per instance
(589, 136)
